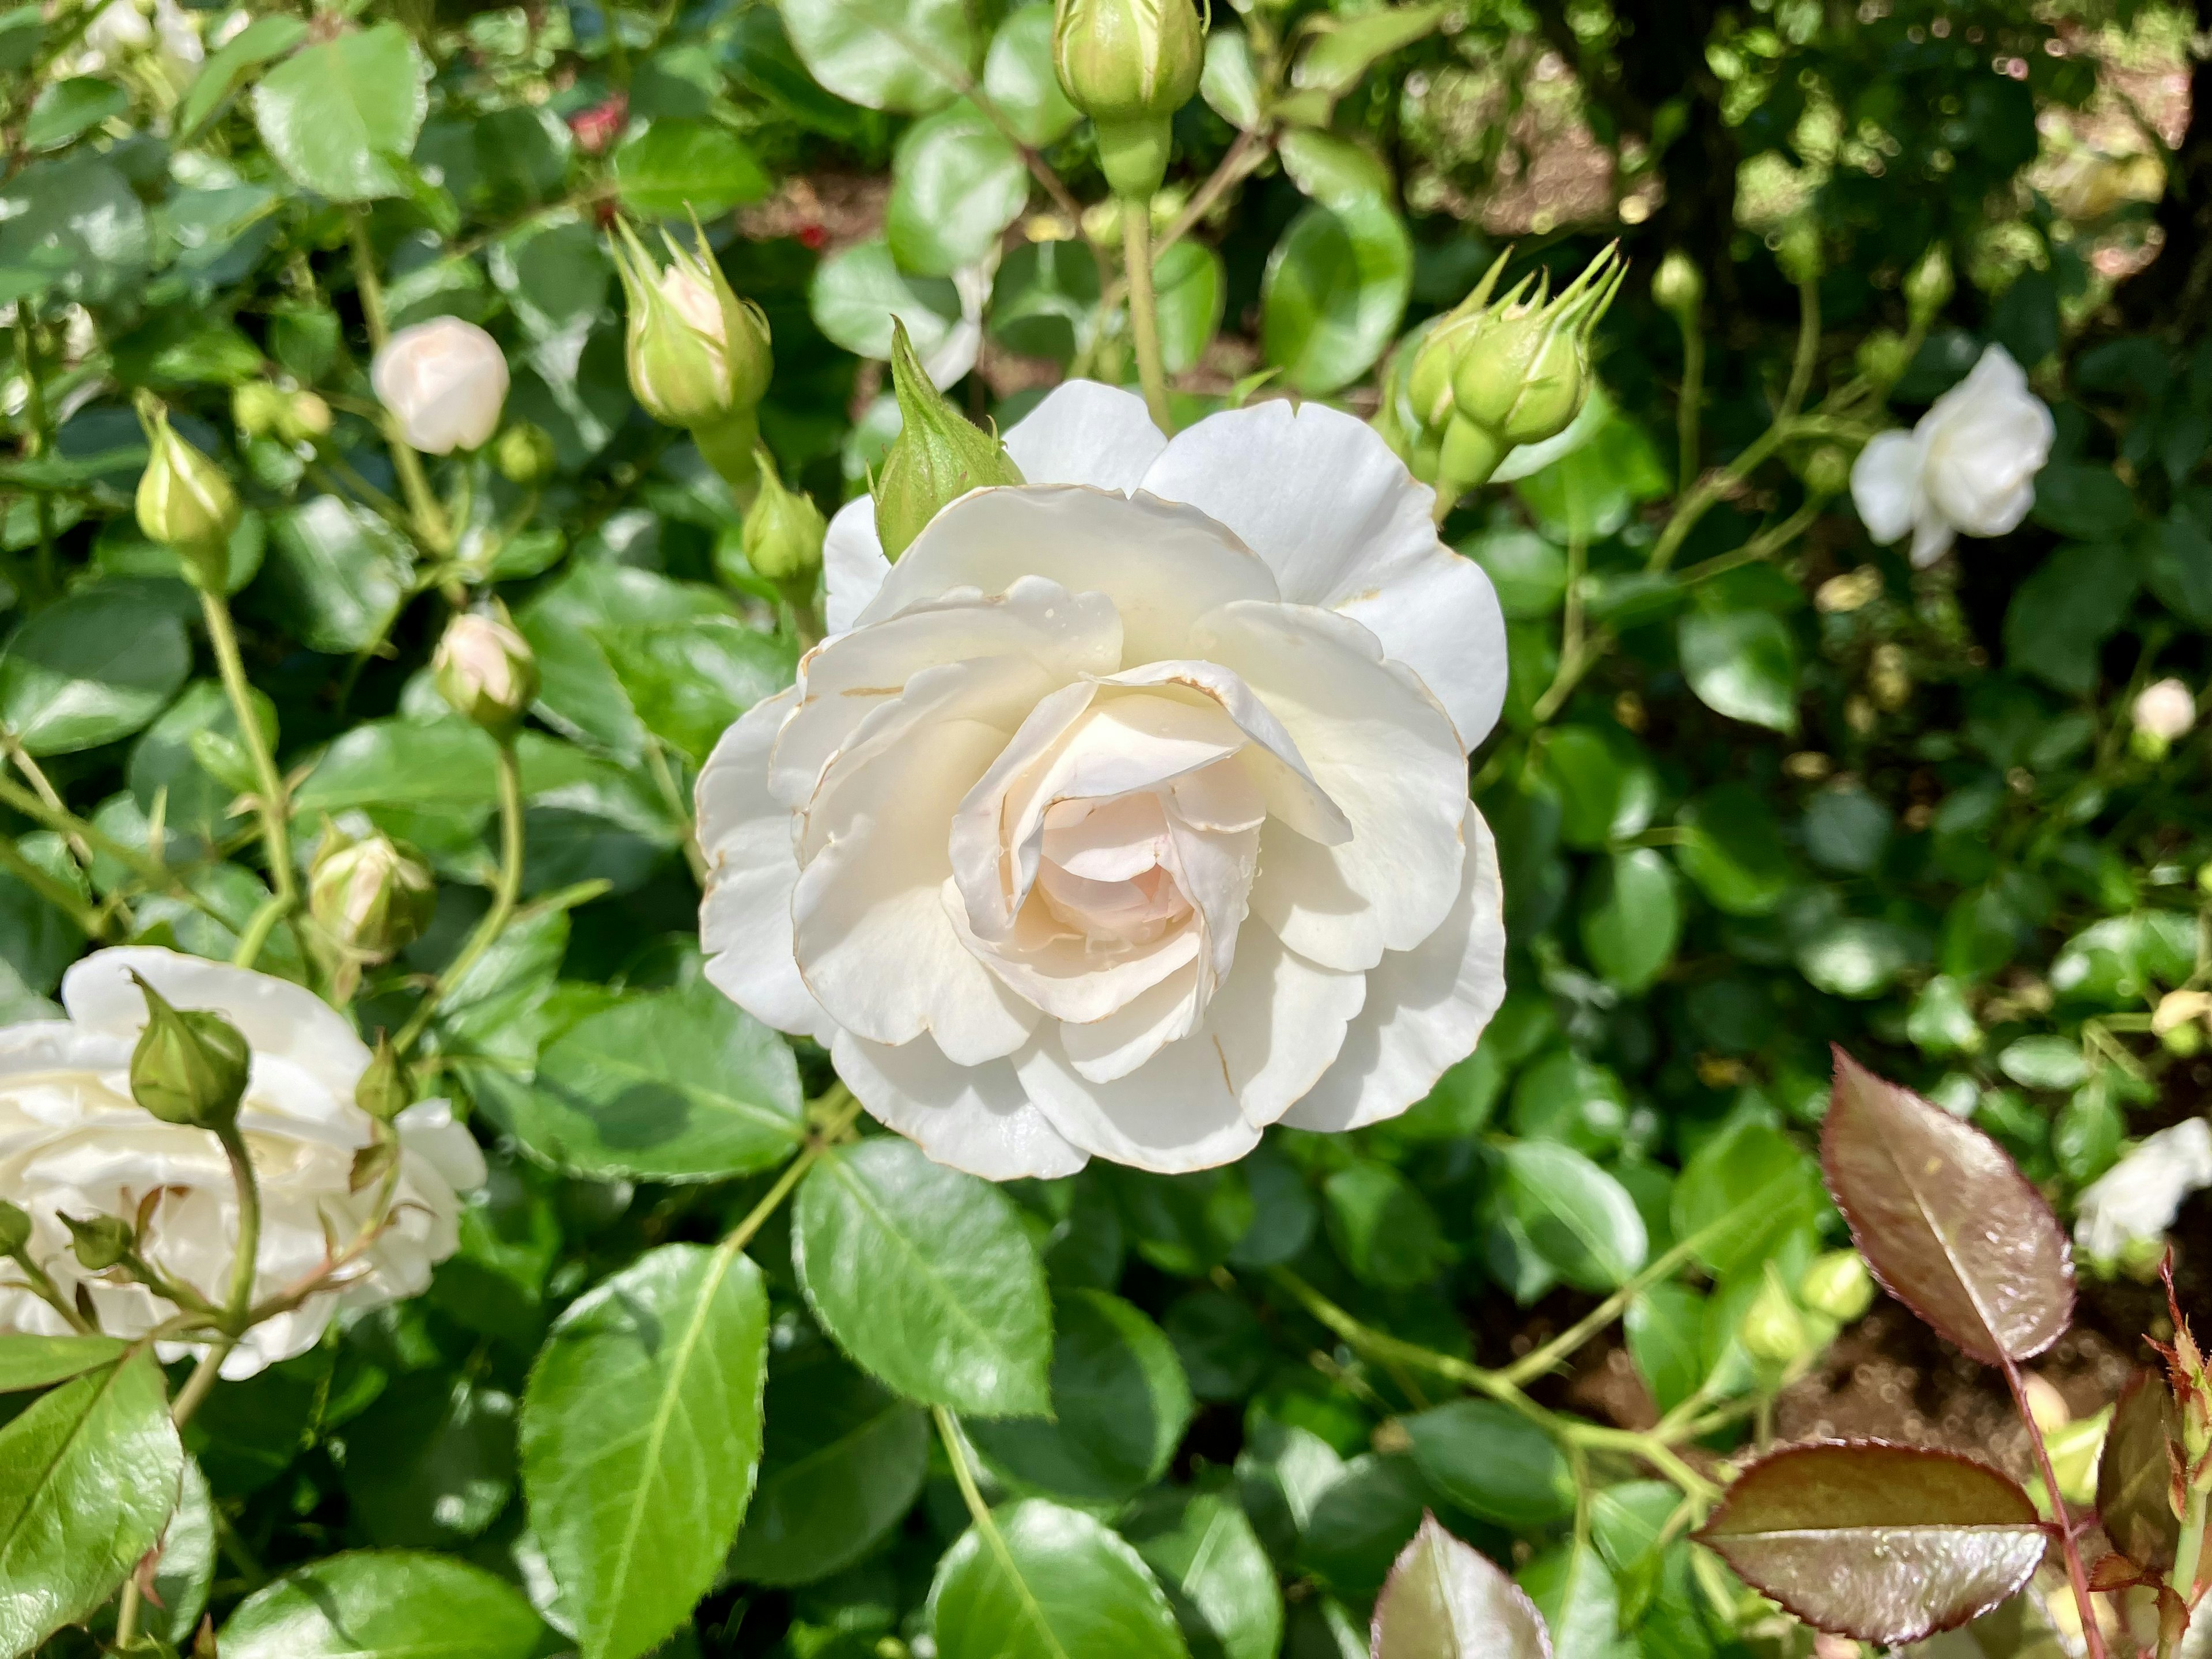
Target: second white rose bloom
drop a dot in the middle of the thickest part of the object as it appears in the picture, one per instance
(1967, 468)
(445, 382)
(73, 1141)
(1128, 813)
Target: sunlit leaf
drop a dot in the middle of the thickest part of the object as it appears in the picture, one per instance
(1445, 1601)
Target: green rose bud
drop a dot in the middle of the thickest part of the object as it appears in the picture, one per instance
(384, 1090)
(783, 530)
(372, 897)
(1839, 1286)
(486, 671)
(1129, 65)
(696, 353)
(1883, 357)
(100, 1243)
(1799, 252)
(1827, 470)
(185, 502)
(256, 408)
(1772, 1330)
(304, 418)
(939, 455)
(1679, 286)
(14, 1229)
(190, 1066)
(525, 455)
(1929, 286)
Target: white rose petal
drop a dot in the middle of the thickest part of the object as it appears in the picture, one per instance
(2166, 710)
(2138, 1197)
(445, 382)
(1968, 468)
(1128, 810)
(73, 1141)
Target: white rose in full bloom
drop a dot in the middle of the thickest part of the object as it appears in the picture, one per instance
(2165, 710)
(445, 382)
(72, 1140)
(1968, 467)
(2136, 1200)
(1128, 813)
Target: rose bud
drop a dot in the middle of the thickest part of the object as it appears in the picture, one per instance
(384, 1090)
(186, 503)
(445, 382)
(2164, 714)
(1929, 286)
(1679, 286)
(303, 418)
(189, 1067)
(1772, 1329)
(939, 455)
(783, 530)
(486, 671)
(372, 897)
(1129, 65)
(100, 1243)
(255, 408)
(14, 1229)
(1839, 1286)
(525, 455)
(698, 356)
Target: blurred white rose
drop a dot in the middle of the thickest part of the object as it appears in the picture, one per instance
(1128, 813)
(2164, 711)
(124, 26)
(2135, 1201)
(445, 382)
(1967, 468)
(73, 1140)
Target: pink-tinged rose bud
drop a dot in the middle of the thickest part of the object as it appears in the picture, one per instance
(445, 382)
(597, 127)
(486, 671)
(2165, 711)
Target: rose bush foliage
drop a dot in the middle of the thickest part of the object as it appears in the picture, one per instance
(780, 1084)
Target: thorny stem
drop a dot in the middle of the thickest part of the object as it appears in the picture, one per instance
(505, 890)
(271, 804)
(429, 519)
(2075, 1576)
(1144, 310)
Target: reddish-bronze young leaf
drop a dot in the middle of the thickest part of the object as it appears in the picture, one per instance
(1444, 1600)
(1882, 1543)
(1947, 1221)
(2134, 1475)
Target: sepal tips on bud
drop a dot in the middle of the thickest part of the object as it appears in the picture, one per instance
(186, 503)
(784, 530)
(190, 1066)
(14, 1229)
(486, 671)
(939, 455)
(99, 1241)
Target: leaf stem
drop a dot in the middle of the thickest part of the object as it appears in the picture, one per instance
(2186, 1555)
(2075, 1576)
(1144, 309)
(505, 889)
(272, 802)
(831, 1133)
(1689, 405)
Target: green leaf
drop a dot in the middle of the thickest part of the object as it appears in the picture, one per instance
(1217, 1578)
(1334, 293)
(1742, 664)
(1384, 1230)
(671, 1085)
(40, 1362)
(1493, 1462)
(1732, 848)
(1229, 84)
(1846, 829)
(1887, 1544)
(673, 168)
(641, 1437)
(441, 1463)
(2044, 1062)
(341, 116)
(89, 1473)
(1576, 1217)
(910, 56)
(1632, 918)
(1746, 1191)
(842, 1462)
(1019, 78)
(1361, 1520)
(1665, 1327)
(1590, 492)
(1189, 288)
(337, 574)
(71, 225)
(2118, 960)
(856, 293)
(383, 1604)
(1529, 573)
(63, 109)
(1445, 1601)
(925, 1277)
(1576, 1595)
(92, 667)
(1945, 1221)
(1120, 1405)
(2135, 1473)
(956, 183)
(261, 41)
(185, 1572)
(1052, 1584)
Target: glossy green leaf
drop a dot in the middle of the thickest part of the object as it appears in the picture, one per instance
(675, 168)
(342, 117)
(2135, 1473)
(383, 1604)
(1383, 1230)
(1054, 1584)
(1019, 79)
(338, 573)
(1217, 1578)
(856, 292)
(1664, 1325)
(1359, 1524)
(925, 1277)
(71, 225)
(1732, 848)
(641, 1437)
(1742, 664)
(1190, 286)
(956, 183)
(1590, 490)
(40, 1362)
(1446, 1600)
(1632, 918)
(261, 41)
(1945, 1221)
(63, 109)
(1578, 1219)
(1336, 284)
(1575, 1592)
(1120, 1404)
(443, 1464)
(1887, 1544)
(89, 1473)
(93, 667)
(905, 55)
(1494, 1462)
(1744, 1192)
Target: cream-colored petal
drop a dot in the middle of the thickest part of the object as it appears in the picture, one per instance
(1085, 433)
(1114, 1046)
(745, 918)
(976, 1118)
(1162, 564)
(853, 563)
(1426, 1008)
(1886, 485)
(1176, 1113)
